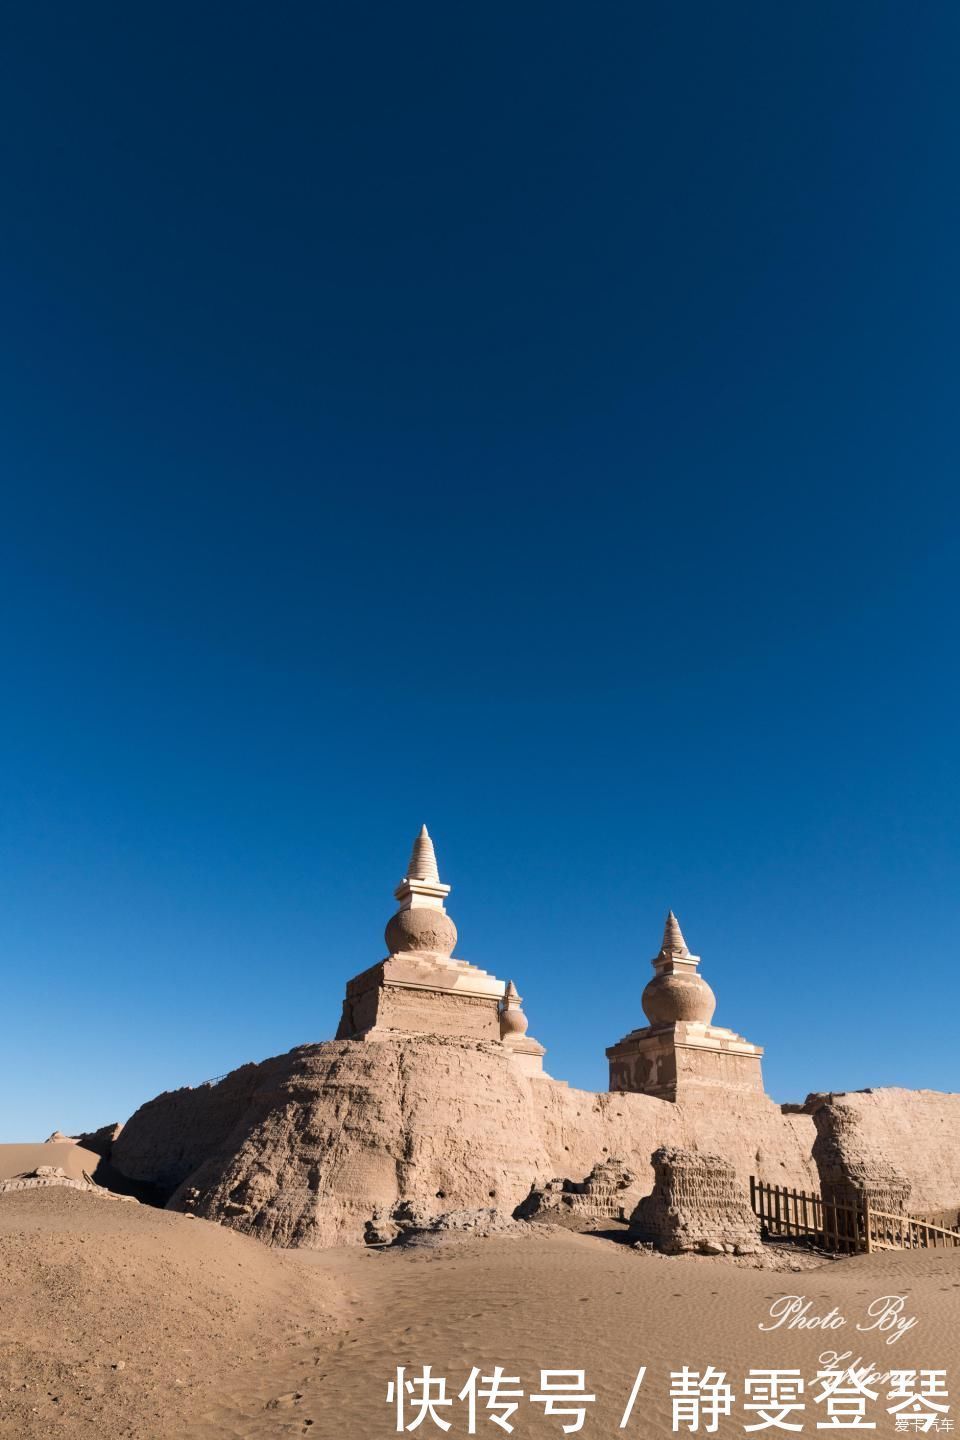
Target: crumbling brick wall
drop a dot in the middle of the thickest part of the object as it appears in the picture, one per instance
(917, 1131)
(605, 1194)
(696, 1204)
(851, 1166)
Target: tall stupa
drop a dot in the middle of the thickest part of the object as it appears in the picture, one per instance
(421, 989)
(681, 1049)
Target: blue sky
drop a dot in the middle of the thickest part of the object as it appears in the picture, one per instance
(539, 421)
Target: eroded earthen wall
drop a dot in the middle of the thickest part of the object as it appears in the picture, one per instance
(607, 1193)
(696, 1203)
(917, 1132)
(302, 1149)
(180, 1129)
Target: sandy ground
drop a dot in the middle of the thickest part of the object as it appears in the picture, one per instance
(121, 1320)
(124, 1321)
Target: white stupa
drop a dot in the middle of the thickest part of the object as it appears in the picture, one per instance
(681, 1047)
(420, 988)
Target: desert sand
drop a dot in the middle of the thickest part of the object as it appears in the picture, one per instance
(71, 1158)
(128, 1321)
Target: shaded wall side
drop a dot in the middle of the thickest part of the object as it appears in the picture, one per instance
(171, 1135)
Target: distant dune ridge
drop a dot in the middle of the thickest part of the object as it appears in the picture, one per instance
(67, 1154)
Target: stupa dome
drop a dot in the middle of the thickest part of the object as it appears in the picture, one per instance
(676, 991)
(678, 997)
(421, 929)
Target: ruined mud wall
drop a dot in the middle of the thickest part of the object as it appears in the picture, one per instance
(697, 1203)
(918, 1132)
(302, 1149)
(180, 1129)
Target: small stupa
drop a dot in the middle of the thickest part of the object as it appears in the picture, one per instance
(681, 1047)
(513, 1032)
(420, 988)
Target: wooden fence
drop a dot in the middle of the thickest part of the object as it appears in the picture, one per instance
(886, 1231)
(841, 1227)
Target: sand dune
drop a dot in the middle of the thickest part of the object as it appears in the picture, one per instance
(124, 1320)
(15, 1159)
(131, 1322)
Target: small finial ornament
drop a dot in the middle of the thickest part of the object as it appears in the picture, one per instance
(512, 1019)
(527, 1053)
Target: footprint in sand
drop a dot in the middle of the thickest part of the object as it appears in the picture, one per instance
(292, 1397)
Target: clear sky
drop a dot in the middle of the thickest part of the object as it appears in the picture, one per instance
(539, 420)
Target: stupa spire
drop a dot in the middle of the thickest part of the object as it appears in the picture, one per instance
(677, 992)
(421, 885)
(423, 859)
(673, 941)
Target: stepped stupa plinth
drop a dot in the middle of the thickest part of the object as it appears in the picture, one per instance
(420, 988)
(681, 1048)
